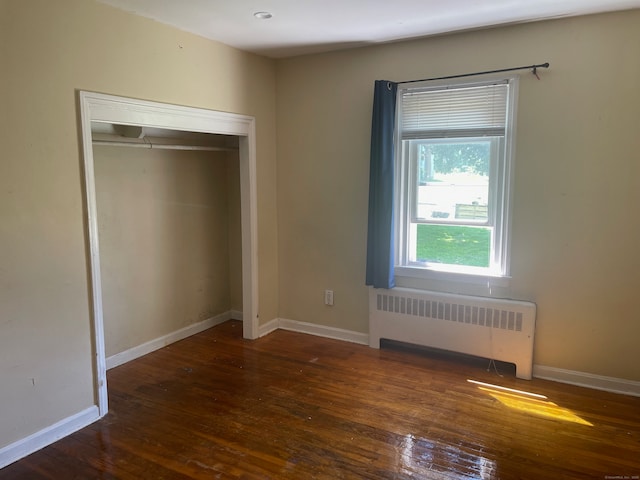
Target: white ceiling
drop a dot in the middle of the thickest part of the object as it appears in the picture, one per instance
(309, 26)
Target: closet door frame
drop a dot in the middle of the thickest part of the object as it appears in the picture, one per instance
(101, 108)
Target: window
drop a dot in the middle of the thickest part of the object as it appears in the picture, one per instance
(454, 174)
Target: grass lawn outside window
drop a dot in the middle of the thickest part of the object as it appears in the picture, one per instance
(454, 245)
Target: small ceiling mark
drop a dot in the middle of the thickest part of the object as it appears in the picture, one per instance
(263, 15)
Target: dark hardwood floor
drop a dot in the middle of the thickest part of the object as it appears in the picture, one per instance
(294, 406)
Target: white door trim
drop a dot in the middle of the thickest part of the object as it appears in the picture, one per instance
(96, 107)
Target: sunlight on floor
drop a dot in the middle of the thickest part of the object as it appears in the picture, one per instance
(528, 402)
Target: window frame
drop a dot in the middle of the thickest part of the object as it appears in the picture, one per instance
(500, 193)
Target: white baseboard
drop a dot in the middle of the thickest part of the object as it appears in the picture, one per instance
(267, 328)
(314, 329)
(28, 445)
(589, 380)
(236, 315)
(157, 343)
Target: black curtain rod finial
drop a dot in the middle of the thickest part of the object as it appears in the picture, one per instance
(535, 69)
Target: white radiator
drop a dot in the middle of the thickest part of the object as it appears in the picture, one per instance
(485, 327)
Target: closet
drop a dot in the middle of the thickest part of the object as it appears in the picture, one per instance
(169, 229)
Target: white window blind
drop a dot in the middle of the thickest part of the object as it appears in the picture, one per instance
(469, 111)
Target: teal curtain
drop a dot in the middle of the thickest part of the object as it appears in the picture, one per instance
(380, 238)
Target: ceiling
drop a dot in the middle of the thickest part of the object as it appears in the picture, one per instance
(300, 27)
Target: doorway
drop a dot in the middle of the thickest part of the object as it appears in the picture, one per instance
(108, 109)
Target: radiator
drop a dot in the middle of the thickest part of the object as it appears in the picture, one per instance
(485, 327)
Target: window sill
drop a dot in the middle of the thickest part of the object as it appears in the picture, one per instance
(453, 277)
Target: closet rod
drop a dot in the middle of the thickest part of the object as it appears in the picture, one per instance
(160, 146)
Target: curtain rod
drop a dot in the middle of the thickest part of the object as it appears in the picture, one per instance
(533, 68)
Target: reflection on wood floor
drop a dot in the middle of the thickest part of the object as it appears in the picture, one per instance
(294, 406)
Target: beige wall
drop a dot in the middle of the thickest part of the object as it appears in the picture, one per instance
(163, 222)
(49, 51)
(575, 235)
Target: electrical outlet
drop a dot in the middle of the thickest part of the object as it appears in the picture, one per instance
(328, 297)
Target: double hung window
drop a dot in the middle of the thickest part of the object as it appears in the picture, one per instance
(455, 148)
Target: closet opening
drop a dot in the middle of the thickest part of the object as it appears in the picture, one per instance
(171, 219)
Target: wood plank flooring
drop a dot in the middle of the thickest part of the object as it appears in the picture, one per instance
(294, 406)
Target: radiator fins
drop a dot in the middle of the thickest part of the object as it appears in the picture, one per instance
(454, 312)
